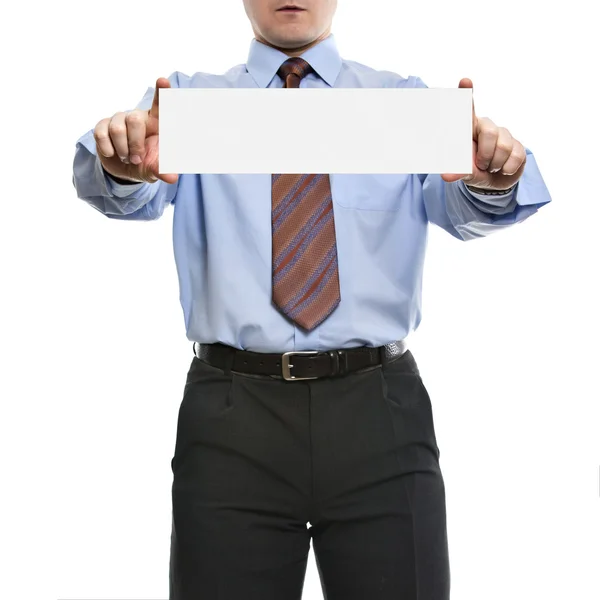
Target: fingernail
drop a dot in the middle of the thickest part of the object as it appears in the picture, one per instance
(494, 170)
(135, 159)
(124, 159)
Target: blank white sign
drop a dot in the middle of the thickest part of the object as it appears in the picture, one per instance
(306, 130)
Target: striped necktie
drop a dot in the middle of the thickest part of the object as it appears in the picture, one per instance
(305, 267)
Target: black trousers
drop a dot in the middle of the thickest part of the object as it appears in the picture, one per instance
(258, 459)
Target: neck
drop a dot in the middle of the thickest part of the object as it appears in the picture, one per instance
(294, 52)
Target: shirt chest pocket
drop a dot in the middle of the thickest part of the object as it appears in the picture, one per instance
(369, 191)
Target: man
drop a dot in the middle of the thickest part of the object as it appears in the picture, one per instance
(339, 432)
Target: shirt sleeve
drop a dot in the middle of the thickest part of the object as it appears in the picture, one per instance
(141, 201)
(468, 215)
(120, 189)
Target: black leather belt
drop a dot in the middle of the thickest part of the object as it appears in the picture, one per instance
(298, 366)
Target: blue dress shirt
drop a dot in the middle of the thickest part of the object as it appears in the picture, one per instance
(222, 225)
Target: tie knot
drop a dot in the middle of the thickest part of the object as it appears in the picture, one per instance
(294, 66)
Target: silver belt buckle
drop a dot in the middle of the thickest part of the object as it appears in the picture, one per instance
(286, 366)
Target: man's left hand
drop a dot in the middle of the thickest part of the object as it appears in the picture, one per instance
(498, 158)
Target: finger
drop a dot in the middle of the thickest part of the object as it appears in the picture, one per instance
(169, 177)
(136, 135)
(161, 82)
(166, 177)
(452, 177)
(465, 82)
(466, 177)
(103, 143)
(117, 129)
(486, 143)
(504, 146)
(516, 160)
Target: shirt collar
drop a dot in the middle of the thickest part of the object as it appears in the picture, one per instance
(264, 61)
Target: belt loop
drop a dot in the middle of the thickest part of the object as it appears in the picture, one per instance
(194, 349)
(335, 362)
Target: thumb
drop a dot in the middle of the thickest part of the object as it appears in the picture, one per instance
(465, 82)
(161, 82)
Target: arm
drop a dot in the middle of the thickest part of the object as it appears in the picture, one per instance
(115, 198)
(467, 214)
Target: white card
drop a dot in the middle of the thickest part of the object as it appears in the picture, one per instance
(315, 130)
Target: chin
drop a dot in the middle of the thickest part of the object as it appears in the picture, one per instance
(289, 39)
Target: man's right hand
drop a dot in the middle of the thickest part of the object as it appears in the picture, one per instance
(127, 143)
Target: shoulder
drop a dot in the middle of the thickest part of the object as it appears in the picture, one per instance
(358, 74)
(207, 80)
(370, 77)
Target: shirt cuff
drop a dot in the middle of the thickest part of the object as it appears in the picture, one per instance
(120, 190)
(497, 204)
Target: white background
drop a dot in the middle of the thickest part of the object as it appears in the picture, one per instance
(94, 354)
